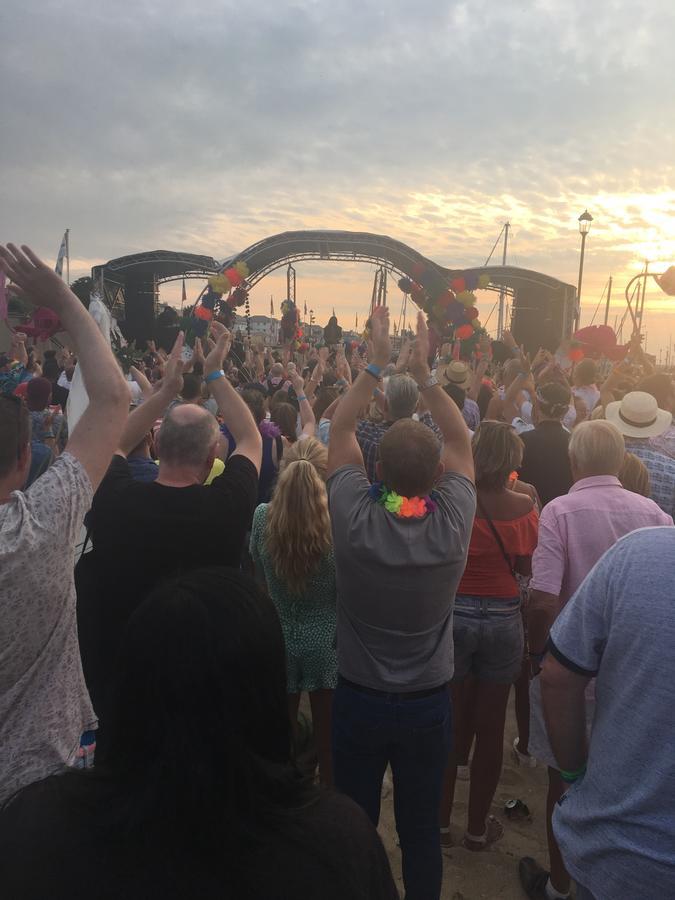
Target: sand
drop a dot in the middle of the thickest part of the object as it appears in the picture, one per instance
(491, 873)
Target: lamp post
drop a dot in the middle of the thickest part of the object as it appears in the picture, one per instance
(585, 220)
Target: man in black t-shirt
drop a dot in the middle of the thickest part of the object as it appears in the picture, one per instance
(546, 463)
(142, 533)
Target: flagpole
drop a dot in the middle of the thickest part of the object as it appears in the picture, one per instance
(68, 256)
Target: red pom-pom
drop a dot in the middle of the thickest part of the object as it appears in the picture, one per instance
(445, 299)
(418, 270)
(201, 312)
(233, 276)
(464, 332)
(472, 313)
(576, 355)
(457, 284)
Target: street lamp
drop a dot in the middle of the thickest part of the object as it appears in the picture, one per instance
(585, 220)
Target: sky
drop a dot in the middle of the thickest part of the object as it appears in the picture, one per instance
(207, 126)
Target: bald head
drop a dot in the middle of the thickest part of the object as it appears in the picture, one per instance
(188, 436)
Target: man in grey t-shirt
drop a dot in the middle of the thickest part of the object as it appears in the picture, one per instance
(616, 826)
(400, 550)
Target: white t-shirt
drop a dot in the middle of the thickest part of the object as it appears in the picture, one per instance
(44, 703)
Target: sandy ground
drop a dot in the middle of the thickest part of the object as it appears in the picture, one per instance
(492, 873)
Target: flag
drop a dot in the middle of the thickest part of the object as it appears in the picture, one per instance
(63, 254)
(272, 305)
(356, 325)
(305, 309)
(183, 296)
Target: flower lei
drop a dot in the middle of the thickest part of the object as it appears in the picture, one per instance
(403, 507)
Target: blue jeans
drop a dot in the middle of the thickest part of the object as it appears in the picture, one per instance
(414, 736)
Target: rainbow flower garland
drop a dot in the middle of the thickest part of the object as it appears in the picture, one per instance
(403, 507)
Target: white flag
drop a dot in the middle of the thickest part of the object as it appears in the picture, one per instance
(63, 252)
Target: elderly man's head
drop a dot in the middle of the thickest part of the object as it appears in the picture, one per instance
(188, 440)
(401, 396)
(409, 458)
(596, 448)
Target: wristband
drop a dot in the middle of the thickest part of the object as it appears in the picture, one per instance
(373, 370)
(301, 397)
(571, 777)
(213, 376)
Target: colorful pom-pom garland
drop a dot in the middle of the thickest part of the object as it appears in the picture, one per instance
(402, 507)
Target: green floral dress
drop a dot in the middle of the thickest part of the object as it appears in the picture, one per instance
(308, 620)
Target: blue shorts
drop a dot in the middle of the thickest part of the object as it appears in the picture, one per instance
(489, 639)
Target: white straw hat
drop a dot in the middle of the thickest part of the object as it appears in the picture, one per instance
(638, 415)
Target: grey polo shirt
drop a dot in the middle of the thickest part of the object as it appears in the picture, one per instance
(396, 582)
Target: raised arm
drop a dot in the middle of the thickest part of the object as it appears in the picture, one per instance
(307, 418)
(235, 412)
(456, 454)
(141, 420)
(96, 434)
(343, 448)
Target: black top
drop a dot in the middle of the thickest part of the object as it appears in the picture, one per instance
(546, 463)
(50, 848)
(143, 533)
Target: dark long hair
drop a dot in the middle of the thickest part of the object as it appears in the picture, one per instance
(199, 751)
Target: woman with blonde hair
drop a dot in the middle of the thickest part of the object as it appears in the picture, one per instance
(634, 476)
(292, 548)
(488, 628)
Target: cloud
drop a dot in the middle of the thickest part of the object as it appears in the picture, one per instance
(206, 126)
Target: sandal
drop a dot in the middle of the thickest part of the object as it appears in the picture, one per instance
(494, 830)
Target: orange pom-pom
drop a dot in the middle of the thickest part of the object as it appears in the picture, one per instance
(201, 312)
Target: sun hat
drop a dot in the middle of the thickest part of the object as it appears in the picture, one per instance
(457, 373)
(638, 415)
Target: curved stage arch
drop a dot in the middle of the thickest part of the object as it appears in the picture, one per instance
(543, 307)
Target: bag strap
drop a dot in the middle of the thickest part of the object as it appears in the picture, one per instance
(500, 543)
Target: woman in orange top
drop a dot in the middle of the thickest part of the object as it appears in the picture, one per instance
(488, 628)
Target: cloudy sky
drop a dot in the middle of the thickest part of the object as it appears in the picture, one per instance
(206, 126)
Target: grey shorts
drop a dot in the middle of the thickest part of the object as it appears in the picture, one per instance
(488, 636)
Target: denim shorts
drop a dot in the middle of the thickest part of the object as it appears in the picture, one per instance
(488, 637)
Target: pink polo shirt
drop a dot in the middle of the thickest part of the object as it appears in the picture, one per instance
(575, 531)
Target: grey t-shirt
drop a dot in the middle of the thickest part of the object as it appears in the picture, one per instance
(44, 703)
(396, 581)
(616, 827)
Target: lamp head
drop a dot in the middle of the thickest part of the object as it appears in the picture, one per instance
(585, 220)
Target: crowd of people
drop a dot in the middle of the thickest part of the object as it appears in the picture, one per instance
(403, 537)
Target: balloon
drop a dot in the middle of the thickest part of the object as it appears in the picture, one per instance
(219, 283)
(464, 332)
(406, 285)
(233, 276)
(471, 281)
(483, 280)
(467, 298)
(243, 269)
(458, 285)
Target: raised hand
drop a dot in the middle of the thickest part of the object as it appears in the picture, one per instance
(214, 361)
(380, 336)
(419, 358)
(172, 382)
(34, 280)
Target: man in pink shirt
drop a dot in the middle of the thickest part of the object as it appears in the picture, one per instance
(574, 532)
